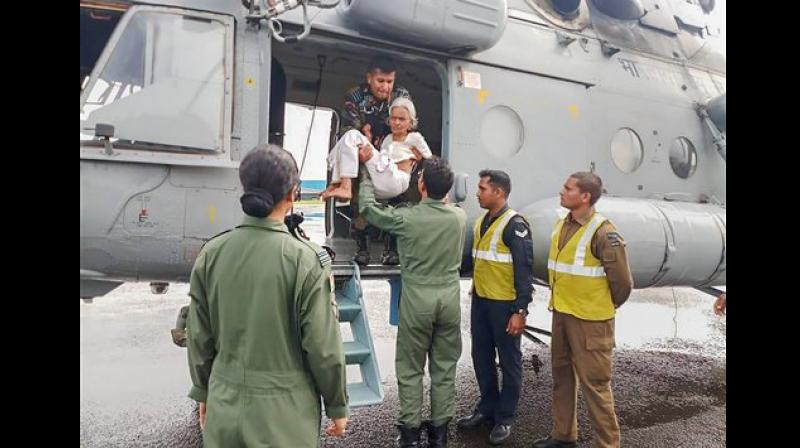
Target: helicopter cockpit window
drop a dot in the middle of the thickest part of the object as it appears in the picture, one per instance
(683, 157)
(626, 150)
(97, 24)
(162, 85)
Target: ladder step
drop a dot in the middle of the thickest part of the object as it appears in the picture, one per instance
(348, 309)
(361, 394)
(359, 352)
(355, 352)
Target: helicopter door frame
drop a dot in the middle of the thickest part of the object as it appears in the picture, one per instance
(436, 61)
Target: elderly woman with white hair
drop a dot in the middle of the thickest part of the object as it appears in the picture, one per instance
(390, 169)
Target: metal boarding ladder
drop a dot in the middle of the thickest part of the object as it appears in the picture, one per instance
(359, 351)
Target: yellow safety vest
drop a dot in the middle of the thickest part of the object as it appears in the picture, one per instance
(578, 282)
(493, 270)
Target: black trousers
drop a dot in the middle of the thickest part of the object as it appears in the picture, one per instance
(489, 319)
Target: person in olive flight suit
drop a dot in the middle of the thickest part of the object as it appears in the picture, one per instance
(501, 263)
(430, 238)
(262, 332)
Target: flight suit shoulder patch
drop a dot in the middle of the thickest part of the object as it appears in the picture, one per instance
(323, 256)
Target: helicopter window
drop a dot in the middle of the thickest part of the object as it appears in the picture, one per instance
(683, 157)
(96, 28)
(626, 150)
(163, 83)
(502, 132)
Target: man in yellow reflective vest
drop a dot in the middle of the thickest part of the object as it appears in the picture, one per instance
(502, 287)
(589, 279)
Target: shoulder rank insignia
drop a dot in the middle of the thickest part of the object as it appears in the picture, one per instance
(324, 258)
(614, 239)
(522, 234)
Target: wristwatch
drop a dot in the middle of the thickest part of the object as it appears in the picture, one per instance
(522, 311)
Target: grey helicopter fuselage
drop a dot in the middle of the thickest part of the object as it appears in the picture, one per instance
(175, 92)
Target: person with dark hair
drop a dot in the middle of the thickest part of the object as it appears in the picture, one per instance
(430, 238)
(262, 333)
(502, 287)
(366, 107)
(366, 110)
(589, 279)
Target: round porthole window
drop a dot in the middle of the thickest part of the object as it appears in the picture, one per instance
(683, 157)
(626, 150)
(502, 132)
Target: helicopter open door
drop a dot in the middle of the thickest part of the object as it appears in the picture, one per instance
(319, 70)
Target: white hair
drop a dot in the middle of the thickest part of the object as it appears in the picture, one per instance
(406, 104)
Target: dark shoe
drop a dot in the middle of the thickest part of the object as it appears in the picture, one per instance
(362, 247)
(361, 257)
(550, 442)
(390, 258)
(473, 421)
(409, 437)
(500, 433)
(437, 436)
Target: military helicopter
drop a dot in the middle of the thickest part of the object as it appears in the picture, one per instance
(175, 92)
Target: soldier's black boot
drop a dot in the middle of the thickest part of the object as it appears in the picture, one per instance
(409, 437)
(390, 256)
(437, 436)
(362, 253)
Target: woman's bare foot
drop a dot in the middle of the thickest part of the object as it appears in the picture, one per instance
(327, 192)
(341, 193)
(341, 190)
